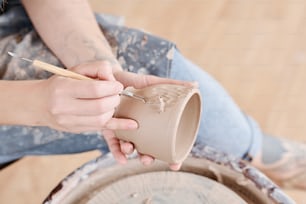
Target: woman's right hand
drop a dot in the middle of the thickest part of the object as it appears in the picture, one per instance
(83, 105)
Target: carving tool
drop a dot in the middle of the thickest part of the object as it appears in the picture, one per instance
(70, 74)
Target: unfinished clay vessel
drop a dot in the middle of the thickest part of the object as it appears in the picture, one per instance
(168, 120)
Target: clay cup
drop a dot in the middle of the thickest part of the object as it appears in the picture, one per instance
(168, 120)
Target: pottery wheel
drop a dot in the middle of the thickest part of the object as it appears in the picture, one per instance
(165, 187)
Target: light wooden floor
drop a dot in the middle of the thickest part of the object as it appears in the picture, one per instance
(256, 49)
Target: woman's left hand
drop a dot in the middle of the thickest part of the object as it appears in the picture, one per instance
(121, 148)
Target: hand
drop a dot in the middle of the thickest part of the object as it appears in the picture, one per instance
(84, 105)
(120, 148)
(139, 81)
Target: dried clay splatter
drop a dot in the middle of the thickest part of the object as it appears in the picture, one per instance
(134, 195)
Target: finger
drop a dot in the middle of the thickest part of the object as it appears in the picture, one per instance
(87, 107)
(101, 70)
(121, 124)
(141, 81)
(94, 89)
(146, 159)
(114, 146)
(85, 122)
(175, 167)
(126, 147)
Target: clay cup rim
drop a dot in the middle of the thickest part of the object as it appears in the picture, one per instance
(185, 136)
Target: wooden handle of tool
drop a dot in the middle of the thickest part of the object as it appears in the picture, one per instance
(59, 71)
(70, 74)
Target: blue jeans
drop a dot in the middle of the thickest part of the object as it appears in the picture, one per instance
(223, 125)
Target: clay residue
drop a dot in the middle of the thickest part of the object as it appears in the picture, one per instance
(161, 105)
(165, 97)
(165, 187)
(216, 172)
(170, 53)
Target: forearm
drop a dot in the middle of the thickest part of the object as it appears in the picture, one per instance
(70, 31)
(19, 103)
(63, 103)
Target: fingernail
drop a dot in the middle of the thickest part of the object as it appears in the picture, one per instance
(147, 161)
(128, 149)
(133, 125)
(119, 87)
(175, 167)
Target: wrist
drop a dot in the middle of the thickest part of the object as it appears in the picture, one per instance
(37, 113)
(21, 103)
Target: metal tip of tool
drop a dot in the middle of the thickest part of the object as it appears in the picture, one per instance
(14, 55)
(11, 54)
(132, 95)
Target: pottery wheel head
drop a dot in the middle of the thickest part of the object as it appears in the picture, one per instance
(164, 188)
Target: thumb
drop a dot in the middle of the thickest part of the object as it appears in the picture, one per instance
(121, 124)
(141, 81)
